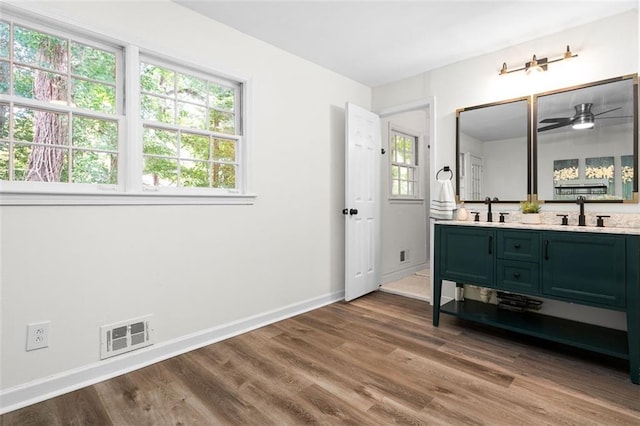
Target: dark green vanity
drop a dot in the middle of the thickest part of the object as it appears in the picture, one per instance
(587, 267)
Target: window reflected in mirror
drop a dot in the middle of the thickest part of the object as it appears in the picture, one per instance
(493, 148)
(586, 142)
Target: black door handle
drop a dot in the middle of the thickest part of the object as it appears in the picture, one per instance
(516, 274)
(490, 245)
(353, 211)
(345, 211)
(516, 245)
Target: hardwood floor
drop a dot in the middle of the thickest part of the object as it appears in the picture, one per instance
(374, 361)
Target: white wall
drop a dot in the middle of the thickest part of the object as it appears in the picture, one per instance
(606, 48)
(193, 267)
(404, 223)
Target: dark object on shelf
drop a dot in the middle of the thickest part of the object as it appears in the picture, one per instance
(511, 308)
(517, 302)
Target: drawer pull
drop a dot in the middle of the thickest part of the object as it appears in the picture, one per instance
(546, 249)
(516, 274)
(490, 244)
(516, 245)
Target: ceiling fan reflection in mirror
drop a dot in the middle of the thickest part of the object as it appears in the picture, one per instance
(583, 118)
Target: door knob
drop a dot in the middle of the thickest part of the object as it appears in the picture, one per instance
(353, 211)
(345, 211)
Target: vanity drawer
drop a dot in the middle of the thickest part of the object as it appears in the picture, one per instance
(518, 276)
(519, 245)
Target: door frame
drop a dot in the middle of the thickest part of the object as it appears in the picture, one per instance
(428, 104)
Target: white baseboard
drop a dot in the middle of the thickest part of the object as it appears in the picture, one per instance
(68, 381)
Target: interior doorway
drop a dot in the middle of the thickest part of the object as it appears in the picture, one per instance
(405, 210)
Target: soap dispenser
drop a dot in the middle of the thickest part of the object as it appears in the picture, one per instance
(463, 214)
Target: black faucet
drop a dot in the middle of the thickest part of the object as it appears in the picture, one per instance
(488, 201)
(581, 218)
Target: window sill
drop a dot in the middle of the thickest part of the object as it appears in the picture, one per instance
(126, 199)
(406, 200)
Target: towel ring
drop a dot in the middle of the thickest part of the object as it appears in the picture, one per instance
(445, 169)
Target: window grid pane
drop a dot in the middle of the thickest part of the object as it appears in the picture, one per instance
(40, 152)
(207, 109)
(56, 143)
(183, 159)
(51, 68)
(39, 49)
(5, 81)
(4, 39)
(403, 168)
(4, 161)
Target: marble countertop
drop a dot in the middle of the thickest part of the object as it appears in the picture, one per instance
(543, 226)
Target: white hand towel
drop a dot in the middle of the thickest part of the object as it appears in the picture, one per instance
(444, 203)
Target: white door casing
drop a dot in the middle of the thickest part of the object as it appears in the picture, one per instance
(362, 201)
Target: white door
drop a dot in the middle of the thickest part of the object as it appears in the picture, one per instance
(362, 202)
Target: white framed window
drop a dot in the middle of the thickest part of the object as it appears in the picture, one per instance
(191, 127)
(60, 111)
(72, 131)
(404, 167)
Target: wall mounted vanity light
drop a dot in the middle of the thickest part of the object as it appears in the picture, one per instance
(537, 64)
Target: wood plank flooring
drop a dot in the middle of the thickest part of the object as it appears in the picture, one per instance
(374, 361)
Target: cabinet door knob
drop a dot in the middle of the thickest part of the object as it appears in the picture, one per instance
(516, 274)
(516, 245)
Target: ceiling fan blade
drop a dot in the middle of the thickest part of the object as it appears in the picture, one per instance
(620, 116)
(555, 120)
(554, 126)
(600, 113)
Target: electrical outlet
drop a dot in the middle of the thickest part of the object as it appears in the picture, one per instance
(38, 335)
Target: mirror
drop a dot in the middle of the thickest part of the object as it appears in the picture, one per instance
(492, 151)
(586, 142)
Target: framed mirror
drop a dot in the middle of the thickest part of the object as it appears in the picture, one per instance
(586, 142)
(493, 148)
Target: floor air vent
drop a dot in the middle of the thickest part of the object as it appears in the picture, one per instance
(125, 336)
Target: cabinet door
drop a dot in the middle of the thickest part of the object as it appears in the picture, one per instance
(467, 254)
(584, 267)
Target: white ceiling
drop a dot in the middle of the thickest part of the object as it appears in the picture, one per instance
(376, 42)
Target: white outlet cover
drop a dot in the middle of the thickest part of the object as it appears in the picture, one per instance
(38, 335)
